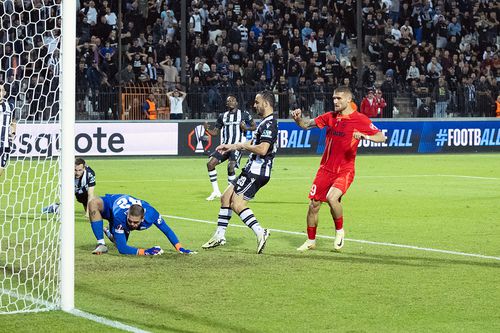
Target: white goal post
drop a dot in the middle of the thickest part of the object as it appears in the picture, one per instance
(37, 55)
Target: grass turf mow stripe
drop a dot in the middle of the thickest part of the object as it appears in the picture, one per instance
(456, 253)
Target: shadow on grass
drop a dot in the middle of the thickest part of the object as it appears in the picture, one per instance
(281, 202)
(168, 311)
(326, 253)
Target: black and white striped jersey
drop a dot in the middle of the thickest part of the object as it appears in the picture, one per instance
(6, 115)
(229, 125)
(267, 131)
(88, 180)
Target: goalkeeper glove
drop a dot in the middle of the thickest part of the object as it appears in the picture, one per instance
(186, 251)
(154, 251)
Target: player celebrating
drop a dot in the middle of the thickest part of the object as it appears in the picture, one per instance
(345, 127)
(126, 213)
(84, 186)
(233, 124)
(7, 129)
(255, 175)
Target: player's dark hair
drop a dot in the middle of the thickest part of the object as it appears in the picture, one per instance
(79, 161)
(233, 96)
(268, 96)
(345, 90)
(136, 210)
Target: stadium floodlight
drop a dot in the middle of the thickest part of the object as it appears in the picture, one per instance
(37, 250)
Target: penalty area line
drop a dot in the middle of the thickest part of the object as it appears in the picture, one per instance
(105, 321)
(411, 247)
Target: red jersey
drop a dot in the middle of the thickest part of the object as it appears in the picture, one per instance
(340, 145)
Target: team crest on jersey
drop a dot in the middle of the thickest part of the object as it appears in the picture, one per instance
(119, 229)
(198, 140)
(267, 133)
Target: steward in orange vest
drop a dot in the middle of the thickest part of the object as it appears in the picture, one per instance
(149, 108)
(498, 106)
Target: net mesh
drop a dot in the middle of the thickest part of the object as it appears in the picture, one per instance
(29, 240)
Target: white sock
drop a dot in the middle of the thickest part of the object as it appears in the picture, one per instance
(249, 219)
(101, 241)
(223, 221)
(213, 180)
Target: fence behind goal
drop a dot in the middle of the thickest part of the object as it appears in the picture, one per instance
(29, 241)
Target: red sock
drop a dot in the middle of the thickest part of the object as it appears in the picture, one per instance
(311, 232)
(339, 223)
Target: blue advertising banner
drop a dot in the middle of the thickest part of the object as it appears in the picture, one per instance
(415, 136)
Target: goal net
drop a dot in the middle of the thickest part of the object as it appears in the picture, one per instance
(29, 240)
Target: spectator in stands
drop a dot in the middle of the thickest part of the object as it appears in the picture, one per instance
(318, 89)
(483, 97)
(463, 33)
(283, 91)
(170, 73)
(196, 98)
(369, 105)
(176, 97)
(340, 43)
(441, 96)
(422, 91)
(381, 104)
(369, 76)
(375, 51)
(389, 90)
(469, 97)
(126, 75)
(107, 100)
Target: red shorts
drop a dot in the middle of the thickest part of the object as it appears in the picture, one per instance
(325, 180)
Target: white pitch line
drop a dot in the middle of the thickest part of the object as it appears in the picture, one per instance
(300, 178)
(48, 306)
(456, 253)
(107, 322)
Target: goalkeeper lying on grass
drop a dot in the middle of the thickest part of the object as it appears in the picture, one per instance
(126, 213)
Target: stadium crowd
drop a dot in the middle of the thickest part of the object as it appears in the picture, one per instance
(443, 54)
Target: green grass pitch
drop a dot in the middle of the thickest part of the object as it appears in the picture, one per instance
(445, 202)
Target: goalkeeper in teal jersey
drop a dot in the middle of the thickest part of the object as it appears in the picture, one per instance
(126, 213)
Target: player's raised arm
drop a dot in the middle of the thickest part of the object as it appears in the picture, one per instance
(305, 123)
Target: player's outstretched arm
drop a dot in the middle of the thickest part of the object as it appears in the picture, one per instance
(259, 149)
(379, 137)
(305, 123)
(123, 248)
(172, 237)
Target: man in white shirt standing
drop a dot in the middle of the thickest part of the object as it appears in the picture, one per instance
(175, 98)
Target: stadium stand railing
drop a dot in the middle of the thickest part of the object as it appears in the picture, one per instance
(206, 102)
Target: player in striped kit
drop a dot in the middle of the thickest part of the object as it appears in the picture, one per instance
(7, 129)
(232, 125)
(84, 186)
(254, 175)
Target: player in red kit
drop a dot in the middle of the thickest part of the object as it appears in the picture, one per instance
(345, 127)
